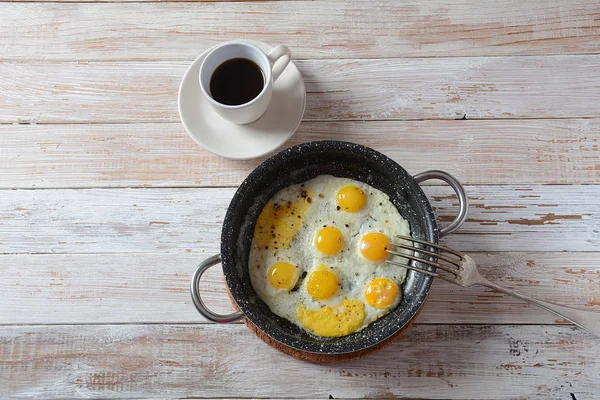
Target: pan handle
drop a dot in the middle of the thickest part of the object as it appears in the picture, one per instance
(463, 202)
(195, 290)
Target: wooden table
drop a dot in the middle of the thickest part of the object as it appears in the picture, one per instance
(107, 206)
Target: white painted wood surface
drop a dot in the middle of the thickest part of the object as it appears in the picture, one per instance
(95, 274)
(502, 218)
(154, 288)
(549, 151)
(431, 361)
(420, 88)
(331, 29)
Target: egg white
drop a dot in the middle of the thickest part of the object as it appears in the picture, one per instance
(353, 270)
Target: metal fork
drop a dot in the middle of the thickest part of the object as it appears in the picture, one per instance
(460, 269)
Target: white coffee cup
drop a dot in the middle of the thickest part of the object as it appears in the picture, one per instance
(271, 65)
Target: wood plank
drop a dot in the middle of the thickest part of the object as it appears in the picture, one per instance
(431, 88)
(332, 29)
(154, 288)
(501, 218)
(163, 155)
(453, 362)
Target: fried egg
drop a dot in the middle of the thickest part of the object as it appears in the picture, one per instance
(318, 255)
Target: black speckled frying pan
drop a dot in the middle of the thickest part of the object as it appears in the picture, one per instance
(298, 164)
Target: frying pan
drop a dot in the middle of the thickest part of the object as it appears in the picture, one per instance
(298, 164)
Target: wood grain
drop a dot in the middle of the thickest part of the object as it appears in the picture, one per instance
(501, 218)
(154, 288)
(474, 362)
(88, 111)
(331, 29)
(358, 29)
(430, 88)
(163, 155)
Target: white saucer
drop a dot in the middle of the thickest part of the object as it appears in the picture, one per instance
(241, 142)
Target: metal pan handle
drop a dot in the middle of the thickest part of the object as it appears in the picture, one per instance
(195, 290)
(463, 202)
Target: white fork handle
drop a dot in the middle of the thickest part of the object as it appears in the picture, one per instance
(588, 320)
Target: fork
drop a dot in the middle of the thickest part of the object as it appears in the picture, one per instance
(460, 269)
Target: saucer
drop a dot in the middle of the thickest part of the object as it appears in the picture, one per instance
(241, 142)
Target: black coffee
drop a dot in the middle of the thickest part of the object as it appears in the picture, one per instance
(236, 81)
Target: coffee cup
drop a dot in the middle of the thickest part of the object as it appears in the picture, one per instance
(237, 79)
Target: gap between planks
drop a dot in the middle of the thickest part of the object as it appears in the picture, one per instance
(51, 62)
(205, 323)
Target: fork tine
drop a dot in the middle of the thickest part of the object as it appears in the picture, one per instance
(423, 271)
(453, 271)
(430, 273)
(452, 261)
(433, 245)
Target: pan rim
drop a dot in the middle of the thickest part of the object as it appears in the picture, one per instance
(228, 240)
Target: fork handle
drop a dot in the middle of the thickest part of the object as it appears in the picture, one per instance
(588, 320)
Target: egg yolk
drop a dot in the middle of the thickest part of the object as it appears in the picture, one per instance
(373, 246)
(322, 284)
(278, 223)
(351, 199)
(282, 275)
(329, 240)
(381, 292)
(333, 321)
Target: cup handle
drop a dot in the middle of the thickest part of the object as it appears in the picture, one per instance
(463, 201)
(279, 57)
(195, 291)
